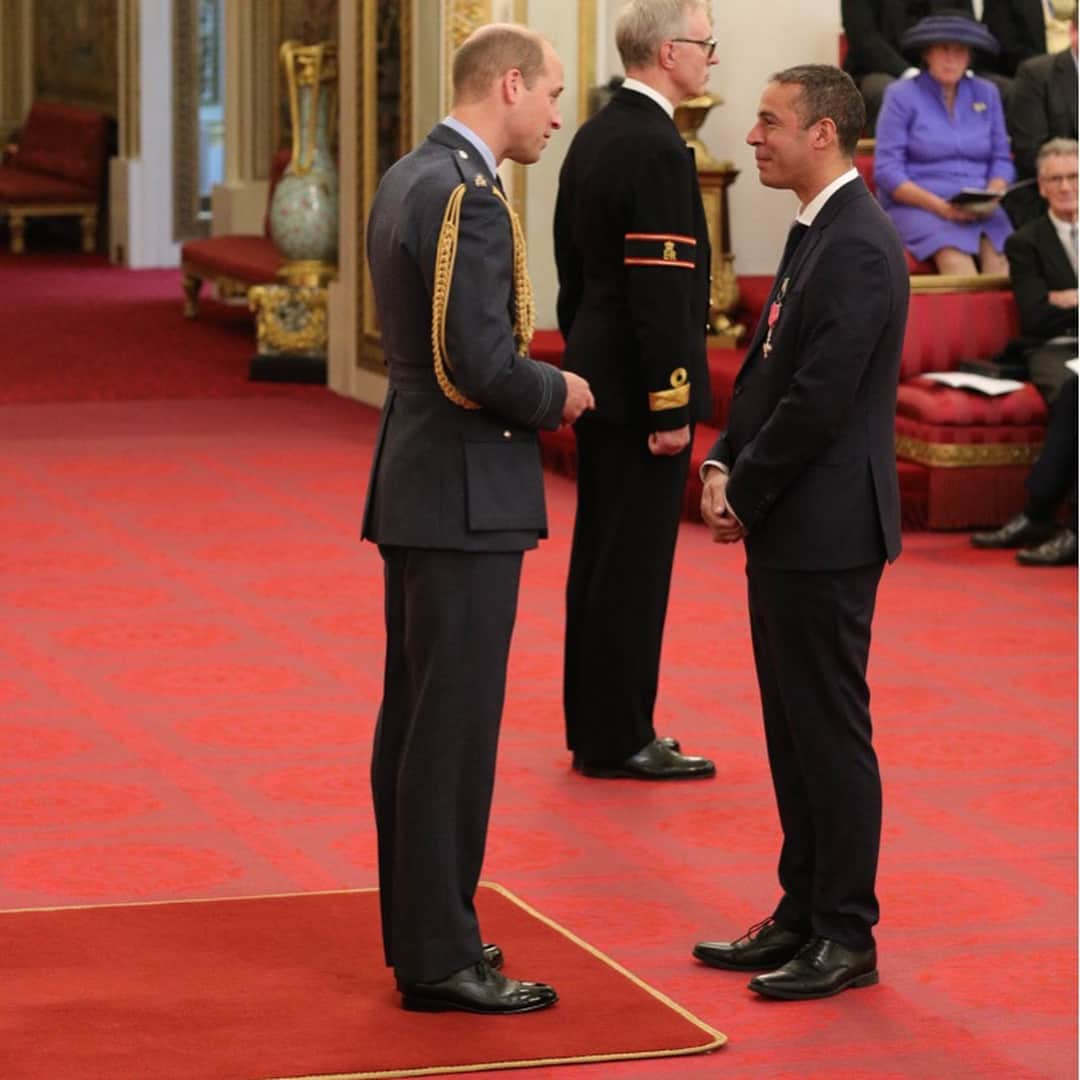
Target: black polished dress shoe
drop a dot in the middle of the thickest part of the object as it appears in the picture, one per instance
(763, 947)
(577, 761)
(1059, 550)
(655, 761)
(820, 969)
(1019, 531)
(477, 989)
(493, 956)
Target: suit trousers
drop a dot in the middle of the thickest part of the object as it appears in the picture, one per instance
(1047, 370)
(628, 511)
(811, 639)
(1053, 476)
(449, 619)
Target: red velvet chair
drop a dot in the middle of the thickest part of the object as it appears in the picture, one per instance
(234, 261)
(56, 170)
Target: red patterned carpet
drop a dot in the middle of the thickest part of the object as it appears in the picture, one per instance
(190, 666)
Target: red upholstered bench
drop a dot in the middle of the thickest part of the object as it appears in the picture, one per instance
(233, 261)
(976, 450)
(57, 170)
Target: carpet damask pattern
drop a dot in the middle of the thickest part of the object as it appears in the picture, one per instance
(190, 664)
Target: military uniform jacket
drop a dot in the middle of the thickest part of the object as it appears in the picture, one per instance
(632, 249)
(810, 440)
(444, 476)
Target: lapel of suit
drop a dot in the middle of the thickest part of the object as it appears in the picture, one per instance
(1036, 17)
(1063, 84)
(787, 281)
(1059, 267)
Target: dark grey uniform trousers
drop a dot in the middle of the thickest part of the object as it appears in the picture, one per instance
(449, 619)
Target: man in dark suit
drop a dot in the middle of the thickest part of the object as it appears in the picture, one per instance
(1026, 28)
(632, 249)
(456, 496)
(1041, 106)
(806, 474)
(1042, 268)
(873, 29)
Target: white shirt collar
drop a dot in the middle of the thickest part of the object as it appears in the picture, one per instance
(482, 148)
(1060, 224)
(807, 213)
(643, 88)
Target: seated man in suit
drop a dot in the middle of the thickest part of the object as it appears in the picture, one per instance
(1042, 270)
(1042, 106)
(1027, 28)
(1042, 267)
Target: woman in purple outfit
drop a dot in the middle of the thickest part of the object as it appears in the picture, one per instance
(939, 132)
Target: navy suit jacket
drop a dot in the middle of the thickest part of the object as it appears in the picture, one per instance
(810, 440)
(1019, 26)
(444, 476)
(1039, 265)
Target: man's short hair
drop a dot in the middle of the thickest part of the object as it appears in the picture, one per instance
(828, 92)
(1056, 148)
(490, 52)
(643, 25)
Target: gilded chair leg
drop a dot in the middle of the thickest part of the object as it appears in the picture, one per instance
(17, 225)
(192, 286)
(89, 231)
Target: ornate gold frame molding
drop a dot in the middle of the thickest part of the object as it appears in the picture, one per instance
(366, 52)
(187, 222)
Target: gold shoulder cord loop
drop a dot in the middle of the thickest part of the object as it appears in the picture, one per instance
(446, 253)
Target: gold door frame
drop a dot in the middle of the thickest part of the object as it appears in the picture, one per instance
(368, 351)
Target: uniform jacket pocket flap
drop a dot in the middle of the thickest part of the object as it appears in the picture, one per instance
(504, 486)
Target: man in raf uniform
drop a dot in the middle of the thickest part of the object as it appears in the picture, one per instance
(632, 250)
(456, 495)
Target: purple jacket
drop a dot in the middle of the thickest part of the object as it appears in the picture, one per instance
(918, 140)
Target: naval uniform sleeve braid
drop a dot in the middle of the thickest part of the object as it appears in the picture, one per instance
(660, 254)
(482, 313)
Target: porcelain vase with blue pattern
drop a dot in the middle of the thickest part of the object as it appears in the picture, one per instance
(304, 210)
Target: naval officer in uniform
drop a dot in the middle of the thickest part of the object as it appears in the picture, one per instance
(632, 249)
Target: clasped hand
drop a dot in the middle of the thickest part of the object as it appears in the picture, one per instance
(715, 511)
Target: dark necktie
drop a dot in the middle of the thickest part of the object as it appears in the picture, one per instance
(798, 231)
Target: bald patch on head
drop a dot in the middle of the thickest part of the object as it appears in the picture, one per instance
(489, 53)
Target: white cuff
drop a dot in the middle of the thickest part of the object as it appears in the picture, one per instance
(712, 464)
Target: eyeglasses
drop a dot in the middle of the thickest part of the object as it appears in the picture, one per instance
(708, 44)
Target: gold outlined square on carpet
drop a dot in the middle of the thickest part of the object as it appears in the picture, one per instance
(292, 986)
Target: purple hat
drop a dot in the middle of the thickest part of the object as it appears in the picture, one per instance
(949, 27)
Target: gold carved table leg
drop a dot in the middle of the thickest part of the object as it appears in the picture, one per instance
(17, 225)
(88, 220)
(192, 284)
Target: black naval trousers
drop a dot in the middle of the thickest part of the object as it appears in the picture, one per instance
(628, 510)
(438, 730)
(811, 639)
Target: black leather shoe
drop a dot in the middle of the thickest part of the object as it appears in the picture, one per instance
(1019, 531)
(1059, 550)
(577, 762)
(493, 956)
(655, 761)
(763, 947)
(820, 969)
(477, 989)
